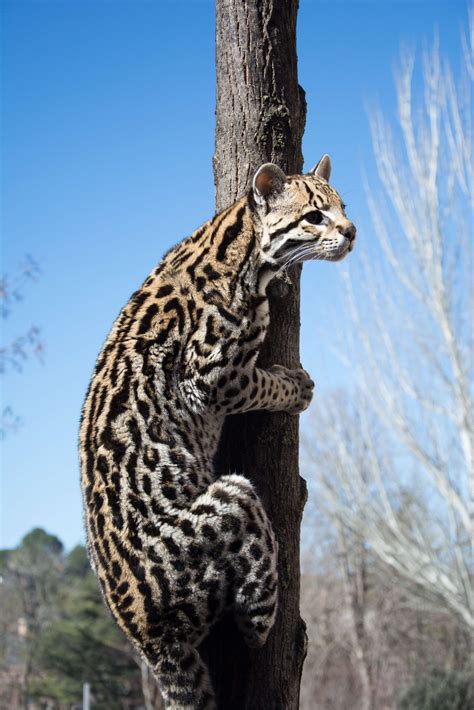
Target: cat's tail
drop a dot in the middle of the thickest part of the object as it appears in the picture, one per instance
(182, 676)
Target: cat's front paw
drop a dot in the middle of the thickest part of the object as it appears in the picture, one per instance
(301, 388)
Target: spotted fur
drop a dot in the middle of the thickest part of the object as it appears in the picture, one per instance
(174, 546)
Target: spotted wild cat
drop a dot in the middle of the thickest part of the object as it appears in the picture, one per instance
(173, 544)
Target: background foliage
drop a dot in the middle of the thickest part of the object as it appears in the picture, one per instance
(57, 633)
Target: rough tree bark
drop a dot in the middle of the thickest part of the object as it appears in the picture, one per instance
(260, 118)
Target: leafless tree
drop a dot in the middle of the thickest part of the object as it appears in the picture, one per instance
(368, 643)
(15, 353)
(394, 460)
(151, 693)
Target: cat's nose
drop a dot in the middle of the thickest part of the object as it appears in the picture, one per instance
(348, 230)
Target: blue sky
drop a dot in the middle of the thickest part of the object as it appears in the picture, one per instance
(107, 139)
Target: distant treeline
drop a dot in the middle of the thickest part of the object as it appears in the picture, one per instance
(56, 633)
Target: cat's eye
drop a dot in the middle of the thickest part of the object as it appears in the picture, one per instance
(315, 217)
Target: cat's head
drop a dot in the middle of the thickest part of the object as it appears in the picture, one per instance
(300, 217)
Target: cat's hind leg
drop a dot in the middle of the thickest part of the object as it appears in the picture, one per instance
(243, 539)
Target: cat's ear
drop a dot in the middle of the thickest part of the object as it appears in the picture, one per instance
(323, 168)
(268, 181)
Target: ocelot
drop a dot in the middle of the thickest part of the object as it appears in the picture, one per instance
(173, 544)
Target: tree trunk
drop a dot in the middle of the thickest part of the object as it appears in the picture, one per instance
(260, 118)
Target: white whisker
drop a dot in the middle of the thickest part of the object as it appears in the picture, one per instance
(297, 254)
